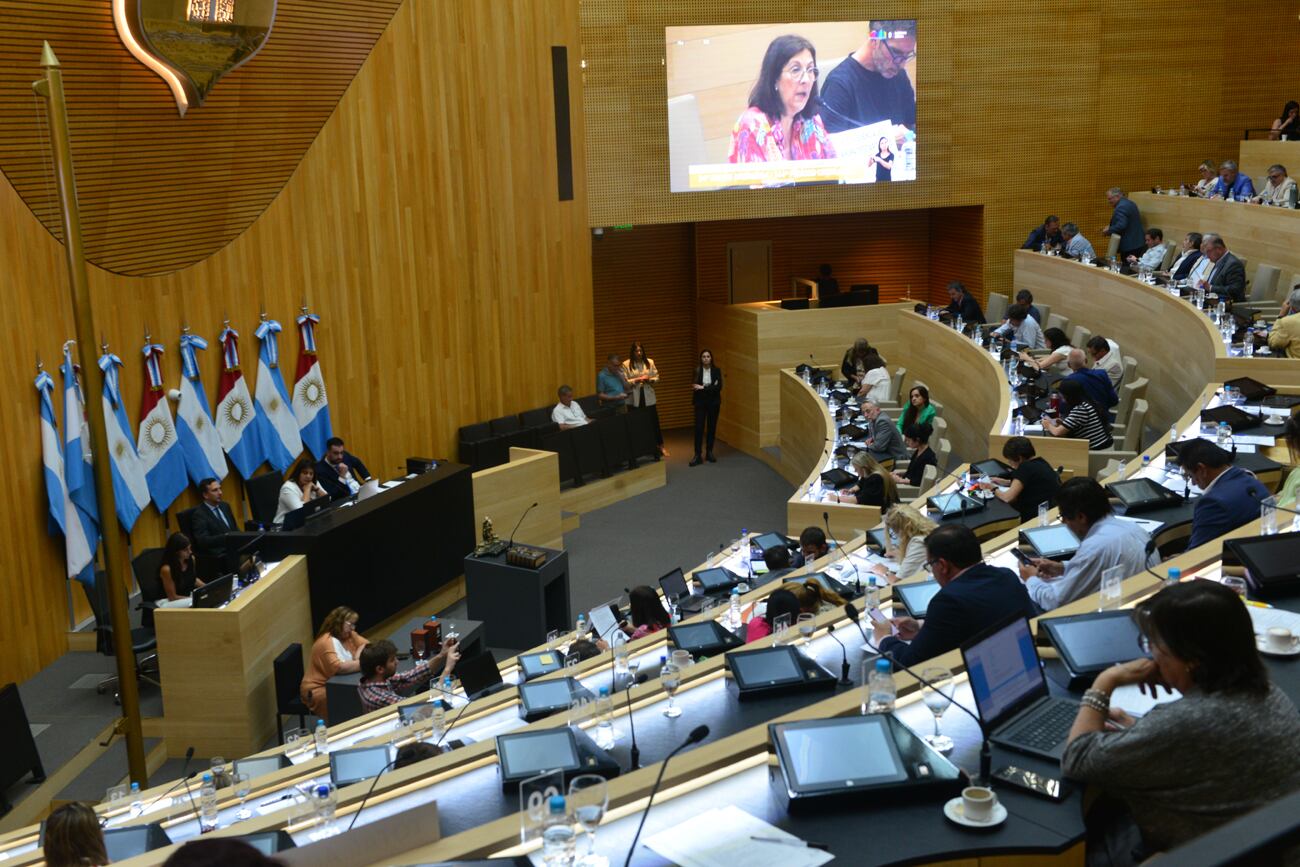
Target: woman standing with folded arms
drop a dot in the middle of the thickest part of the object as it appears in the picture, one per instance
(641, 374)
(708, 403)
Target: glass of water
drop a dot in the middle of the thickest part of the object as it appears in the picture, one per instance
(807, 623)
(243, 785)
(671, 678)
(1236, 584)
(1112, 590)
(1268, 516)
(937, 695)
(588, 797)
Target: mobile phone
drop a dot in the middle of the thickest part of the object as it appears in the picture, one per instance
(1035, 784)
(1022, 556)
(877, 615)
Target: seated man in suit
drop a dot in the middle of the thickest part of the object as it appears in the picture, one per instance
(212, 520)
(1227, 275)
(1231, 495)
(1188, 255)
(340, 473)
(963, 304)
(973, 595)
(883, 439)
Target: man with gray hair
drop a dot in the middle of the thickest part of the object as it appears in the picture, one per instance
(1227, 277)
(1126, 222)
(1280, 191)
(1077, 246)
(1232, 183)
(883, 439)
(1285, 336)
(567, 413)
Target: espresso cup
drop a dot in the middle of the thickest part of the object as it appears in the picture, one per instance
(1279, 638)
(977, 803)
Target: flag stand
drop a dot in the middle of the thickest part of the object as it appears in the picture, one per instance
(50, 89)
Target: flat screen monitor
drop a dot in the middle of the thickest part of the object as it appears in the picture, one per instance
(1142, 494)
(771, 666)
(537, 664)
(1053, 542)
(715, 579)
(948, 505)
(528, 754)
(262, 765)
(916, 597)
(838, 754)
(354, 765)
(268, 842)
(723, 93)
(214, 594)
(702, 638)
(992, 467)
(1272, 562)
(674, 585)
(768, 540)
(131, 840)
(1090, 643)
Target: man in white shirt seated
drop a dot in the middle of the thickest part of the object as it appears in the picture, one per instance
(1022, 328)
(1154, 257)
(1280, 190)
(1200, 272)
(1106, 356)
(567, 413)
(1077, 246)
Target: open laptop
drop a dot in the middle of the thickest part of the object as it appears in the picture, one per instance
(298, 517)
(1011, 692)
(479, 675)
(214, 594)
(678, 592)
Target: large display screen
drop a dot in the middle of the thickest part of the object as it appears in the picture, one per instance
(773, 105)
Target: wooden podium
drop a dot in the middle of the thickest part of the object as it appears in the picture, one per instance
(518, 606)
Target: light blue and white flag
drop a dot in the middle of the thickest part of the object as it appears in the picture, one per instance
(130, 487)
(200, 443)
(236, 415)
(160, 450)
(311, 404)
(274, 408)
(77, 550)
(78, 476)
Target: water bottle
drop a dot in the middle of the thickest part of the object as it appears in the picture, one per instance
(322, 739)
(1173, 433)
(1248, 343)
(1146, 465)
(559, 843)
(734, 616)
(581, 626)
(1175, 575)
(881, 691)
(735, 546)
(674, 613)
(873, 592)
(207, 805)
(137, 803)
(604, 720)
(323, 798)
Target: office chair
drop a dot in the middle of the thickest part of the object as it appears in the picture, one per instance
(142, 639)
(288, 678)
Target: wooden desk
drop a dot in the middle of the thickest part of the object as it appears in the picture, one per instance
(218, 681)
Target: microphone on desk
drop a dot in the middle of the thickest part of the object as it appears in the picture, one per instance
(371, 791)
(857, 577)
(697, 734)
(511, 543)
(986, 747)
(641, 677)
(844, 652)
(189, 755)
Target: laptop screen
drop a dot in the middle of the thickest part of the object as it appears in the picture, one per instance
(674, 585)
(1004, 671)
(478, 672)
(1053, 542)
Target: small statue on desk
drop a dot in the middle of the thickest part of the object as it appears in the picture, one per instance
(492, 546)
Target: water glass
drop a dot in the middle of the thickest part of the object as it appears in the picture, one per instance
(243, 785)
(671, 678)
(780, 629)
(589, 797)
(115, 794)
(1043, 509)
(1236, 584)
(1268, 516)
(807, 624)
(552, 639)
(1112, 590)
(937, 695)
(681, 659)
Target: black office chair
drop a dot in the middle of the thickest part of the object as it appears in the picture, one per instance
(343, 699)
(205, 566)
(470, 436)
(613, 443)
(145, 567)
(142, 640)
(506, 424)
(561, 442)
(288, 679)
(536, 418)
(264, 497)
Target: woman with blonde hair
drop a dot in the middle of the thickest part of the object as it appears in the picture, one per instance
(812, 595)
(875, 485)
(73, 838)
(336, 650)
(906, 528)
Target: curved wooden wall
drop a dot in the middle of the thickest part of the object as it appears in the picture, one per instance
(452, 283)
(158, 191)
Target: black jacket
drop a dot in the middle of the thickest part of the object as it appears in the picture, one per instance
(329, 477)
(209, 532)
(712, 394)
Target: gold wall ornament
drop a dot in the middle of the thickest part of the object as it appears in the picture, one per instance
(191, 44)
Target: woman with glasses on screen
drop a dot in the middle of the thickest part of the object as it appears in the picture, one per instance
(783, 120)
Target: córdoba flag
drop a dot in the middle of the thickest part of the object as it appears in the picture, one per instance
(236, 416)
(158, 445)
(310, 401)
(197, 433)
(130, 488)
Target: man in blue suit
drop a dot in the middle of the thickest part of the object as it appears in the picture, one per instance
(973, 595)
(1095, 382)
(1126, 222)
(1231, 497)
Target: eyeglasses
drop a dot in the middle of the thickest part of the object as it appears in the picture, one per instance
(799, 73)
(899, 57)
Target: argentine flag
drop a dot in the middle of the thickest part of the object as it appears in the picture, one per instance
(78, 477)
(130, 489)
(274, 409)
(77, 549)
(310, 401)
(195, 430)
(236, 415)
(160, 451)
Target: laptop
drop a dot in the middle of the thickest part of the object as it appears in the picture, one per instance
(678, 592)
(1011, 692)
(298, 517)
(479, 675)
(214, 594)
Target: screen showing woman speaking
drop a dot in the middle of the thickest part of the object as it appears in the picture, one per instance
(774, 105)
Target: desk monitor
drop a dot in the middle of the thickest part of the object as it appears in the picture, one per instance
(1055, 542)
(545, 697)
(357, 764)
(1272, 562)
(131, 840)
(715, 580)
(674, 585)
(527, 754)
(916, 597)
(479, 674)
(878, 538)
(268, 842)
(261, 765)
(1090, 643)
(951, 504)
(835, 754)
(1142, 495)
(837, 479)
(992, 467)
(537, 664)
(703, 639)
(765, 668)
(769, 540)
(214, 594)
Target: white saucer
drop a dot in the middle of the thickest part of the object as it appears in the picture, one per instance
(983, 495)
(953, 810)
(1263, 647)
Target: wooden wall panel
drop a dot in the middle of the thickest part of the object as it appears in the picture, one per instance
(452, 283)
(643, 286)
(158, 191)
(956, 251)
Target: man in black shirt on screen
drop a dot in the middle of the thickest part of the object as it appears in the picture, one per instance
(871, 84)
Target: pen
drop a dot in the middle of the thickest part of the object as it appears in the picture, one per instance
(793, 841)
(276, 800)
(1255, 604)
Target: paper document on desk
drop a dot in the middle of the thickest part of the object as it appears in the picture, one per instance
(721, 838)
(1146, 524)
(1131, 698)
(1264, 619)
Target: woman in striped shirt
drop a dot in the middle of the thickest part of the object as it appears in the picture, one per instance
(1083, 419)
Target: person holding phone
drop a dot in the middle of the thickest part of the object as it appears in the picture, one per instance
(381, 683)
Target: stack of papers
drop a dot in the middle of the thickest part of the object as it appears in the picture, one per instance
(722, 838)
(1138, 703)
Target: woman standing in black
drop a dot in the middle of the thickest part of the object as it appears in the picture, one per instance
(708, 403)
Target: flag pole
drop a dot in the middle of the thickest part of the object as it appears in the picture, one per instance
(50, 88)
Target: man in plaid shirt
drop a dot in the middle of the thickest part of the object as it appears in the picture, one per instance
(381, 685)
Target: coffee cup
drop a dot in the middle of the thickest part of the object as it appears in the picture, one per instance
(977, 803)
(1280, 639)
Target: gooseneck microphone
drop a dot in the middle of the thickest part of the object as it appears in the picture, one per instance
(511, 543)
(370, 791)
(635, 751)
(986, 747)
(697, 734)
(857, 577)
(844, 652)
(189, 755)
